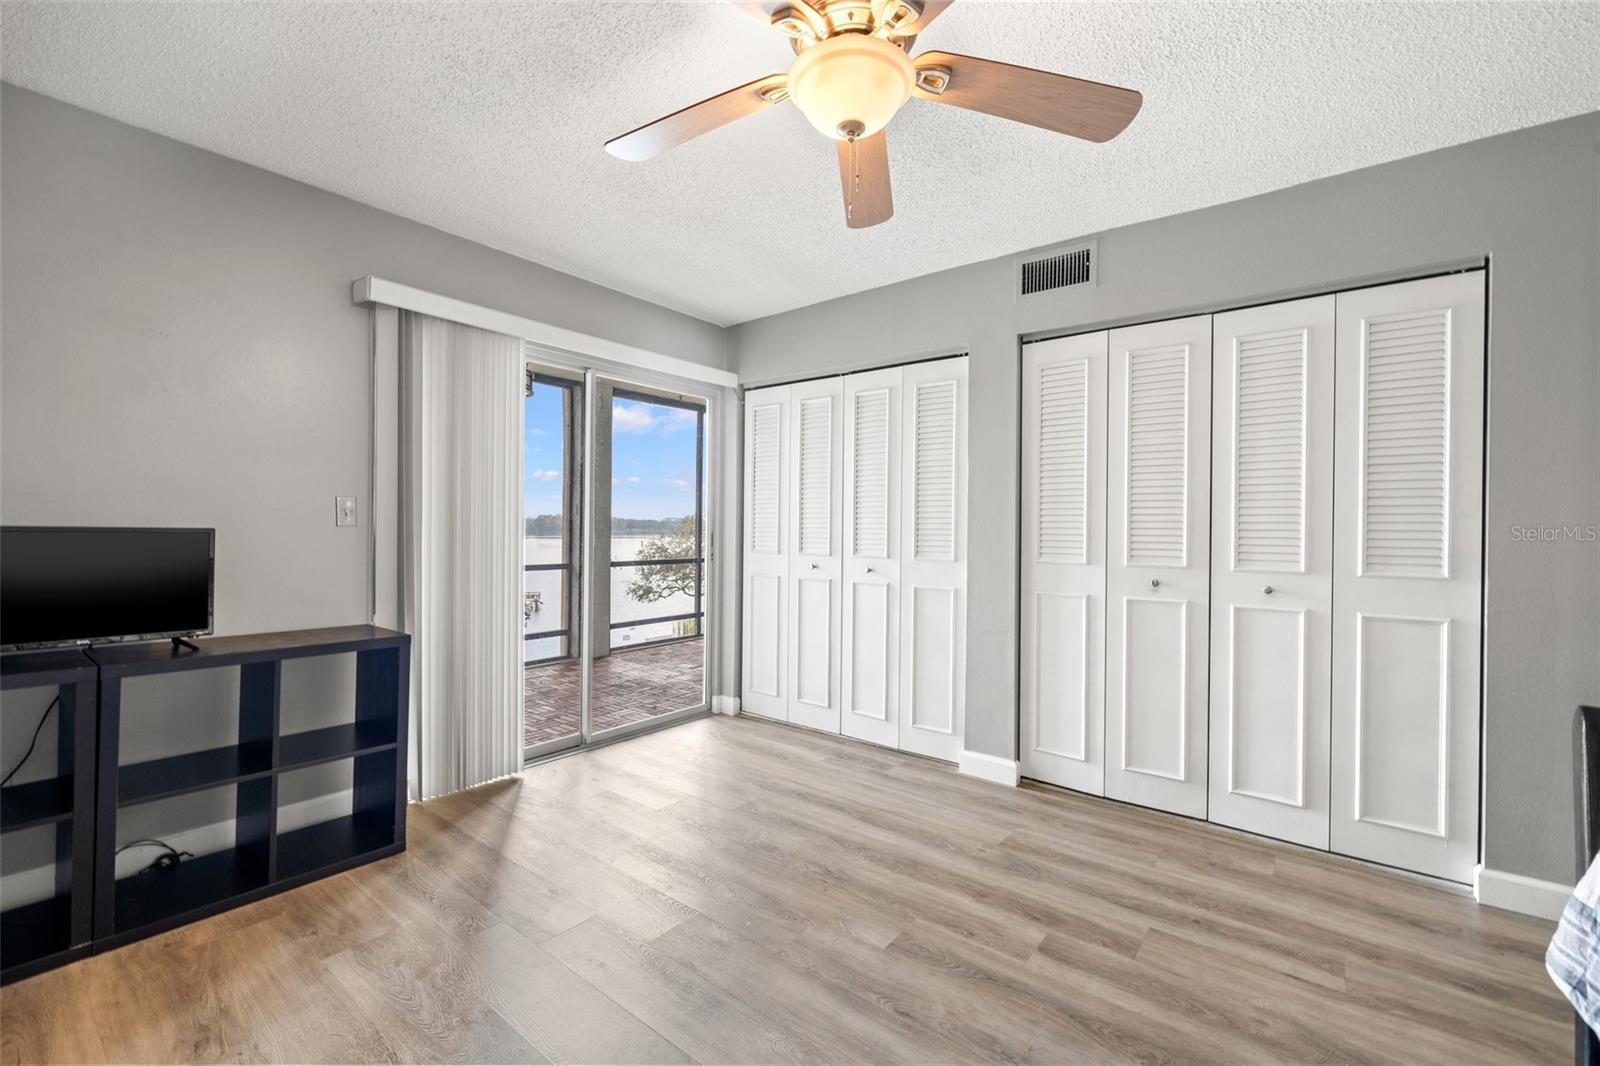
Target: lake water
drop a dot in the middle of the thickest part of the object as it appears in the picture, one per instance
(623, 607)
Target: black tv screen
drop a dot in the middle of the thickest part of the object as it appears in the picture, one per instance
(68, 585)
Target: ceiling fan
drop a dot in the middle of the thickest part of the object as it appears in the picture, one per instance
(853, 70)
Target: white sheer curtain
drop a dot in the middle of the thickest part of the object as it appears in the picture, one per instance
(461, 550)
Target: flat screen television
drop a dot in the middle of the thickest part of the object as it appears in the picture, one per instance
(64, 585)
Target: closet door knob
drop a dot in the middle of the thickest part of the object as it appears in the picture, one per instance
(869, 569)
(1267, 589)
(1154, 583)
(813, 566)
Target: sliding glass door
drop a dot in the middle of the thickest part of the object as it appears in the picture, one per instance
(552, 427)
(649, 631)
(614, 600)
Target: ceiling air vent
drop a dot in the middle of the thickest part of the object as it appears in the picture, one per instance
(1056, 268)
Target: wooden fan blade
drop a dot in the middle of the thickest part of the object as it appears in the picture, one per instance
(864, 174)
(1087, 109)
(652, 139)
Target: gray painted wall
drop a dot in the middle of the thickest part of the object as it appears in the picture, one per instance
(178, 347)
(1528, 201)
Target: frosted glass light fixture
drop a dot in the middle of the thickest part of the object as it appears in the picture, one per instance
(851, 85)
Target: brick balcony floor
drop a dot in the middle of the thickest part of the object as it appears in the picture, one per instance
(629, 686)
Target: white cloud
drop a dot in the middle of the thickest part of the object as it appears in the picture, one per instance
(631, 419)
(632, 480)
(545, 475)
(679, 483)
(679, 418)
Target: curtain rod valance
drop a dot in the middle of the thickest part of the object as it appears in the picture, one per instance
(375, 290)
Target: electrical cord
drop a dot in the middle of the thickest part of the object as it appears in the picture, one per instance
(170, 857)
(36, 730)
(166, 861)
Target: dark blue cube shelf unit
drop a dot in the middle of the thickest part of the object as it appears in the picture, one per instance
(37, 936)
(91, 911)
(263, 860)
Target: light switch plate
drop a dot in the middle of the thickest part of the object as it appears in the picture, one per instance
(344, 510)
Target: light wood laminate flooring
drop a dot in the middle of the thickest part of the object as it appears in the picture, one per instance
(732, 890)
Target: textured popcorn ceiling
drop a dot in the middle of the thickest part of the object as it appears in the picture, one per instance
(487, 120)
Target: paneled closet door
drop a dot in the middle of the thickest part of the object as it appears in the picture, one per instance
(766, 553)
(933, 642)
(870, 686)
(1158, 564)
(1272, 568)
(815, 555)
(1407, 599)
(1064, 561)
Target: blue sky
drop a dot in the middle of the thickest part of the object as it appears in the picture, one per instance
(652, 457)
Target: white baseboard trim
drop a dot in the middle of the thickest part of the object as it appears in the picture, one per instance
(725, 705)
(1514, 892)
(990, 768)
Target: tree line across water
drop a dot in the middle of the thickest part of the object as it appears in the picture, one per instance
(549, 525)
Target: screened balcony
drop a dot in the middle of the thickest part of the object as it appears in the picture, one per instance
(647, 610)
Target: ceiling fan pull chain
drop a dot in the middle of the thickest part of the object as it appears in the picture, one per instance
(855, 184)
(851, 131)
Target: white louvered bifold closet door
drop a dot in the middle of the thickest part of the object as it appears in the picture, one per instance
(1272, 568)
(815, 569)
(1158, 564)
(870, 682)
(933, 566)
(1064, 561)
(765, 687)
(1407, 571)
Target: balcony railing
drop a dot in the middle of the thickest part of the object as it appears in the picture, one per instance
(546, 634)
(697, 615)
